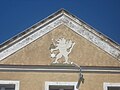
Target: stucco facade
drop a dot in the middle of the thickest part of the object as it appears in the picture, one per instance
(36, 80)
(36, 53)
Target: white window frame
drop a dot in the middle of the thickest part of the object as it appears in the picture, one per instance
(47, 84)
(106, 85)
(11, 82)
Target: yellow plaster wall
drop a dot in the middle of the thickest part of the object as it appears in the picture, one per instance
(84, 52)
(36, 80)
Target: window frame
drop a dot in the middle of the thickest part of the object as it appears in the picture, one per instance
(16, 83)
(47, 84)
(106, 85)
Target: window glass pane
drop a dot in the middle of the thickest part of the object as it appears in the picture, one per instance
(7, 86)
(57, 87)
(113, 88)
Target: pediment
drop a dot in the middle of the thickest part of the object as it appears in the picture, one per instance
(60, 24)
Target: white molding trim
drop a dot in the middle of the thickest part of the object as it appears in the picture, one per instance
(48, 83)
(11, 82)
(88, 33)
(60, 69)
(63, 18)
(39, 33)
(105, 85)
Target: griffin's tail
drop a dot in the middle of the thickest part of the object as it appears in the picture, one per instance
(71, 47)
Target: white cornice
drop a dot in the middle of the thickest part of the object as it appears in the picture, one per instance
(92, 37)
(67, 69)
(62, 18)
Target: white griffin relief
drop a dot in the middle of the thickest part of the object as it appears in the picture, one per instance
(63, 48)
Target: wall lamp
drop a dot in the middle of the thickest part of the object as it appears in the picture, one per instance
(81, 78)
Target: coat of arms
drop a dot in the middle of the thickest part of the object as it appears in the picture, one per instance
(63, 48)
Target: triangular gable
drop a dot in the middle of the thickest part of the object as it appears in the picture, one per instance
(53, 21)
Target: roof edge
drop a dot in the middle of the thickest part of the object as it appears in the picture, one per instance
(29, 29)
(54, 16)
(95, 31)
(60, 11)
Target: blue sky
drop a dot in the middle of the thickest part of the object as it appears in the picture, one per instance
(17, 15)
